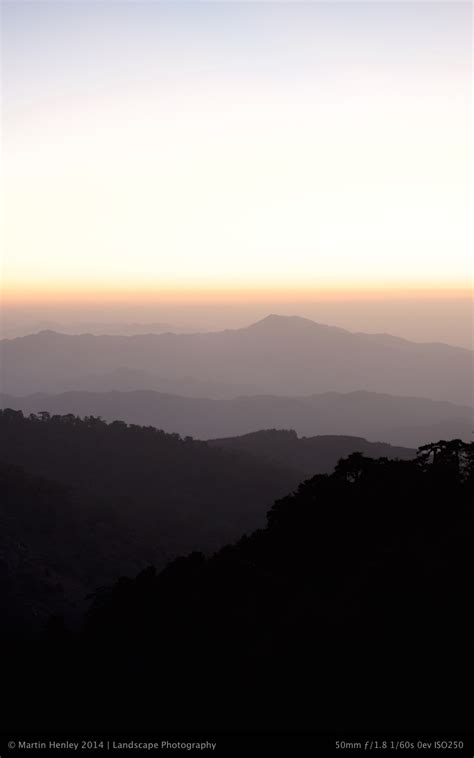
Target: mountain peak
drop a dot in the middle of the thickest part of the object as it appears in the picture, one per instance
(276, 323)
(274, 320)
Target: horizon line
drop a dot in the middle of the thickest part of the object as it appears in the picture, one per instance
(221, 295)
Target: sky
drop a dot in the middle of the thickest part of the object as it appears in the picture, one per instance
(190, 149)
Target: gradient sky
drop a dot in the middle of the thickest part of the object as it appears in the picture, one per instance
(188, 146)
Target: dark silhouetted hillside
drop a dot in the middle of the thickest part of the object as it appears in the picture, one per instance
(350, 610)
(56, 547)
(280, 355)
(116, 498)
(308, 455)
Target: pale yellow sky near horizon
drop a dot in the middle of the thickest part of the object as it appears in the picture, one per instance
(194, 151)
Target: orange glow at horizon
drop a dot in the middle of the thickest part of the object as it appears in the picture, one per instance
(24, 296)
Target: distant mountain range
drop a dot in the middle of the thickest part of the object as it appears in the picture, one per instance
(11, 330)
(409, 421)
(280, 355)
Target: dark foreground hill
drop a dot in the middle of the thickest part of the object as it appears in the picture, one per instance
(409, 421)
(57, 546)
(280, 355)
(349, 612)
(83, 501)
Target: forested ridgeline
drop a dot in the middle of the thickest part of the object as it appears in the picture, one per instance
(309, 455)
(351, 609)
(84, 501)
